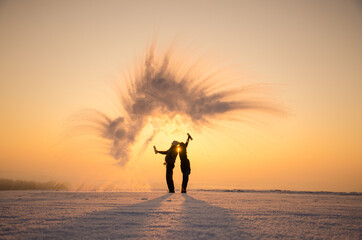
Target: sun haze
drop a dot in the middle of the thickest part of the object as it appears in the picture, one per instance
(58, 58)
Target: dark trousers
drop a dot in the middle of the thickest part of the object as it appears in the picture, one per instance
(169, 180)
(185, 179)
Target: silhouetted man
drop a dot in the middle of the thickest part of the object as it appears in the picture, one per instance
(185, 163)
(170, 158)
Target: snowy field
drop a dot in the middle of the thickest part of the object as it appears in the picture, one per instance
(195, 215)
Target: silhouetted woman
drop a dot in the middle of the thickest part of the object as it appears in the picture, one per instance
(170, 158)
(185, 164)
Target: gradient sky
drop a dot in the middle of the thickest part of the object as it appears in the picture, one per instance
(58, 57)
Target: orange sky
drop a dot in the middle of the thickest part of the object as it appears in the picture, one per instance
(58, 57)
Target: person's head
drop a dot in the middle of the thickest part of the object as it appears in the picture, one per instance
(174, 143)
(182, 145)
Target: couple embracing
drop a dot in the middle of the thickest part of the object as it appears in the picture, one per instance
(171, 154)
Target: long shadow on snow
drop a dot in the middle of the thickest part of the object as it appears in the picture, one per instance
(115, 223)
(203, 221)
(194, 219)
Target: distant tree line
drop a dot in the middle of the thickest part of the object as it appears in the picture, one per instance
(9, 184)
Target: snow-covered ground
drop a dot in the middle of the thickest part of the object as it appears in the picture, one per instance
(195, 215)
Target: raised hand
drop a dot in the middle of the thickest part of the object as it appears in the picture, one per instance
(154, 148)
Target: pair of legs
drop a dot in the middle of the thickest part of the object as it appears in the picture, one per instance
(185, 180)
(169, 180)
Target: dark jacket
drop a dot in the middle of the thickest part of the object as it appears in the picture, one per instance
(171, 155)
(185, 162)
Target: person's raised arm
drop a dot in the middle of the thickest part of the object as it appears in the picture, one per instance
(161, 152)
(187, 142)
(188, 139)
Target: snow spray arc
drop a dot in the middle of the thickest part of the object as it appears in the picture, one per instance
(162, 87)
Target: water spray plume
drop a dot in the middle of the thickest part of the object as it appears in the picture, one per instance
(162, 87)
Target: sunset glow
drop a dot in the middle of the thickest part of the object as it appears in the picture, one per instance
(270, 92)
